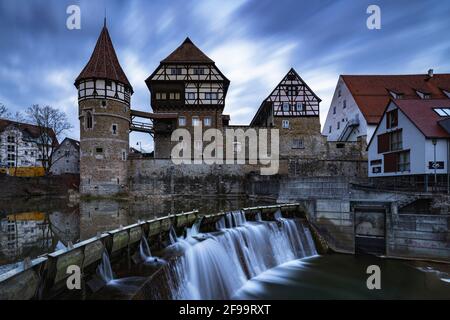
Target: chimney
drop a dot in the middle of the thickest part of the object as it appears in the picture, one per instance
(430, 73)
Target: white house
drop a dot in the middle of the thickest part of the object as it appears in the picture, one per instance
(412, 139)
(359, 101)
(20, 144)
(66, 158)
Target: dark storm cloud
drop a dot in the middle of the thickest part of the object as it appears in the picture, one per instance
(254, 42)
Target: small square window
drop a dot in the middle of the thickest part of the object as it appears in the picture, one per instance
(199, 71)
(182, 121)
(285, 124)
(211, 95)
(297, 144)
(99, 150)
(114, 128)
(196, 121)
(175, 71)
(191, 95)
(286, 107)
(207, 121)
(334, 110)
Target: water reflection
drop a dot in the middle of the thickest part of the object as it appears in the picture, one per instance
(30, 228)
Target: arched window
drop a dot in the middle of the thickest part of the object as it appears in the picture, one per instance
(88, 120)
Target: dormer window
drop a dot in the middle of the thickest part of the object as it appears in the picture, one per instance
(396, 95)
(443, 112)
(424, 95)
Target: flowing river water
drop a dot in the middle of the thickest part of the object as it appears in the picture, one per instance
(243, 260)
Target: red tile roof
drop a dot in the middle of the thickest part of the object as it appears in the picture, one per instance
(103, 63)
(187, 52)
(30, 129)
(371, 92)
(421, 114)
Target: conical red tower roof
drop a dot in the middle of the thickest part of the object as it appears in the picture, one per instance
(187, 52)
(103, 63)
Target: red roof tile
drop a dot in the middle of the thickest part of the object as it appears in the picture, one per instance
(371, 92)
(421, 114)
(103, 63)
(31, 129)
(187, 52)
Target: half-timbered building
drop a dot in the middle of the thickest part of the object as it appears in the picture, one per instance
(293, 108)
(187, 90)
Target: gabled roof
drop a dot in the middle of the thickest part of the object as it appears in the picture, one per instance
(104, 63)
(371, 92)
(421, 114)
(187, 52)
(266, 102)
(73, 142)
(30, 129)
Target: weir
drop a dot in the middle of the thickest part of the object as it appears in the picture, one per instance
(216, 267)
(199, 256)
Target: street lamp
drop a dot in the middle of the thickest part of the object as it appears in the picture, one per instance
(434, 141)
(139, 143)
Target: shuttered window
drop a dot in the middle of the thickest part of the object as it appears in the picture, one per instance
(390, 162)
(383, 142)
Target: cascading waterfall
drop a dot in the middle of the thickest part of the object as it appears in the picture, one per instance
(216, 266)
(172, 236)
(104, 269)
(146, 254)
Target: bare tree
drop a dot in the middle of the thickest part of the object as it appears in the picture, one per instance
(52, 123)
(6, 114)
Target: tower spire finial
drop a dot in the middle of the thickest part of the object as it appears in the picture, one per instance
(104, 20)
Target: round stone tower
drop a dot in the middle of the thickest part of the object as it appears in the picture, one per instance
(104, 111)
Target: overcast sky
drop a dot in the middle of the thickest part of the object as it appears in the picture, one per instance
(253, 42)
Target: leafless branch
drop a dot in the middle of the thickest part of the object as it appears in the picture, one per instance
(52, 123)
